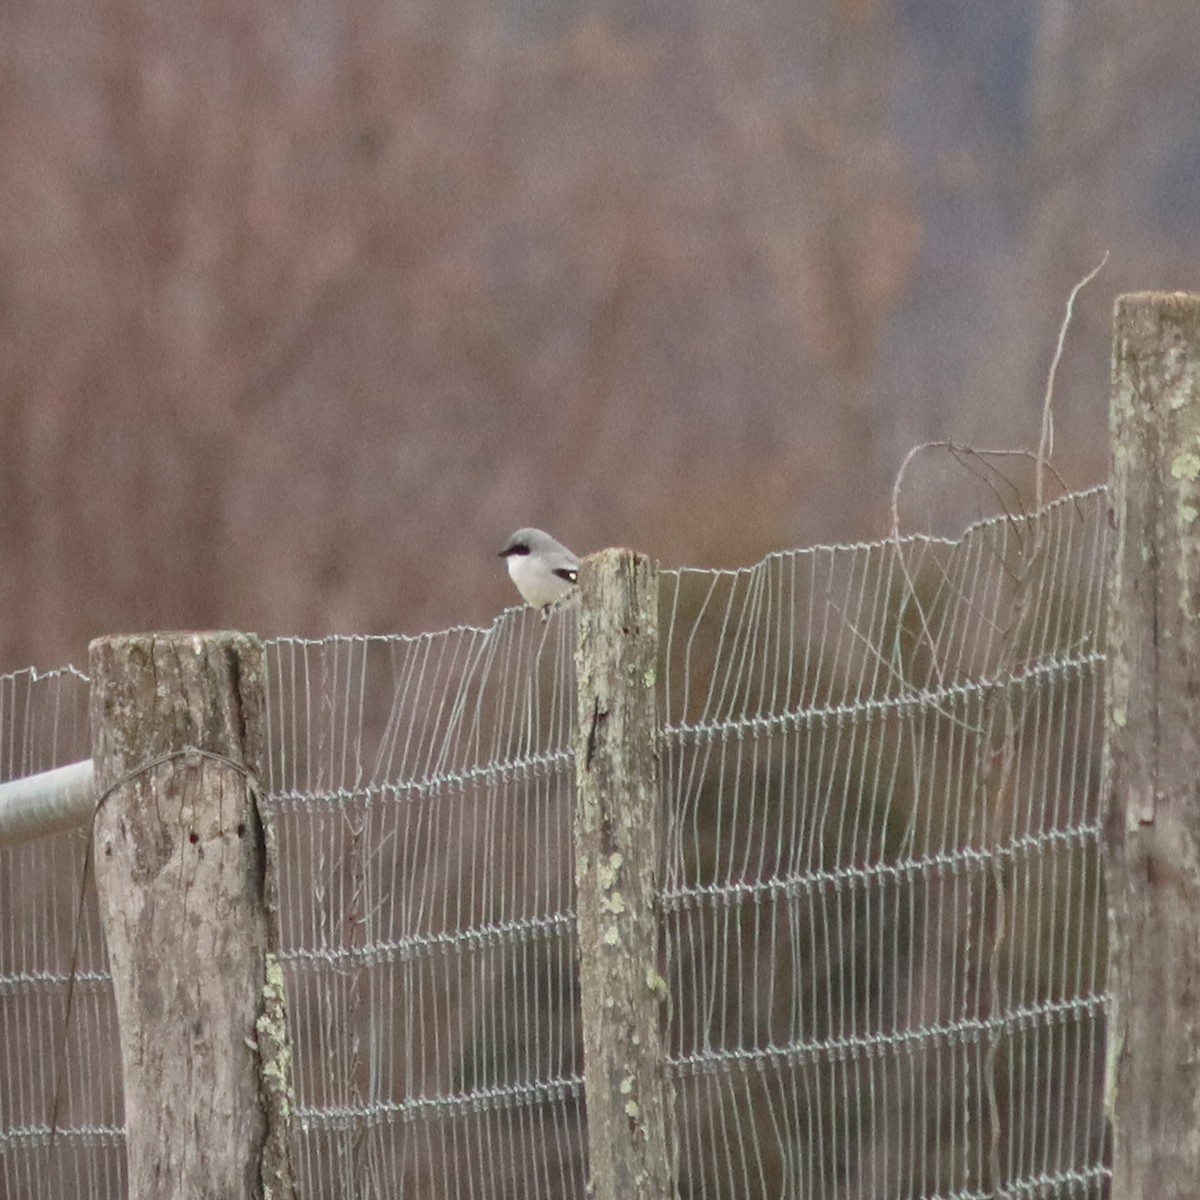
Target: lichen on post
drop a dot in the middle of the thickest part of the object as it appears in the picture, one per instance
(616, 829)
(185, 890)
(1152, 749)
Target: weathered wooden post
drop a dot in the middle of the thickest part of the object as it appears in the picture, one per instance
(1152, 750)
(616, 832)
(185, 892)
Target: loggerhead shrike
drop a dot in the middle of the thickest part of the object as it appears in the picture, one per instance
(543, 570)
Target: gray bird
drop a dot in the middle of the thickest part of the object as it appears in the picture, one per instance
(544, 570)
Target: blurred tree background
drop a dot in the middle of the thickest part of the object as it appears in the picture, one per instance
(305, 305)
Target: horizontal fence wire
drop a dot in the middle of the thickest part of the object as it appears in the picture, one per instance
(881, 900)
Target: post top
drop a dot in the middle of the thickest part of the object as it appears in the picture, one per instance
(154, 694)
(616, 552)
(176, 637)
(1183, 302)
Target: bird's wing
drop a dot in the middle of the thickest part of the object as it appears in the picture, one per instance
(570, 574)
(561, 559)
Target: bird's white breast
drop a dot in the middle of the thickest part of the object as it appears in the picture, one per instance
(535, 581)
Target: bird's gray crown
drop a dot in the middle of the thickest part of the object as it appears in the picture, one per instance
(530, 541)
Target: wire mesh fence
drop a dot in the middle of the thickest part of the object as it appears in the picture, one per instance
(52, 948)
(882, 906)
(881, 903)
(424, 790)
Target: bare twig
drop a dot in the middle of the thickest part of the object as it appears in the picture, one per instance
(996, 763)
(1045, 448)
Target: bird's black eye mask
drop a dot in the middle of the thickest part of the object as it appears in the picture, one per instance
(519, 548)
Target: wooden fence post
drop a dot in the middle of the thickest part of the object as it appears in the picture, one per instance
(185, 888)
(616, 845)
(1152, 750)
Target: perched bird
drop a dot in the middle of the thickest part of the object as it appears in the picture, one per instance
(544, 570)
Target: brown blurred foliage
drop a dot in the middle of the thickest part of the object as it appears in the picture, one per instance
(304, 306)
